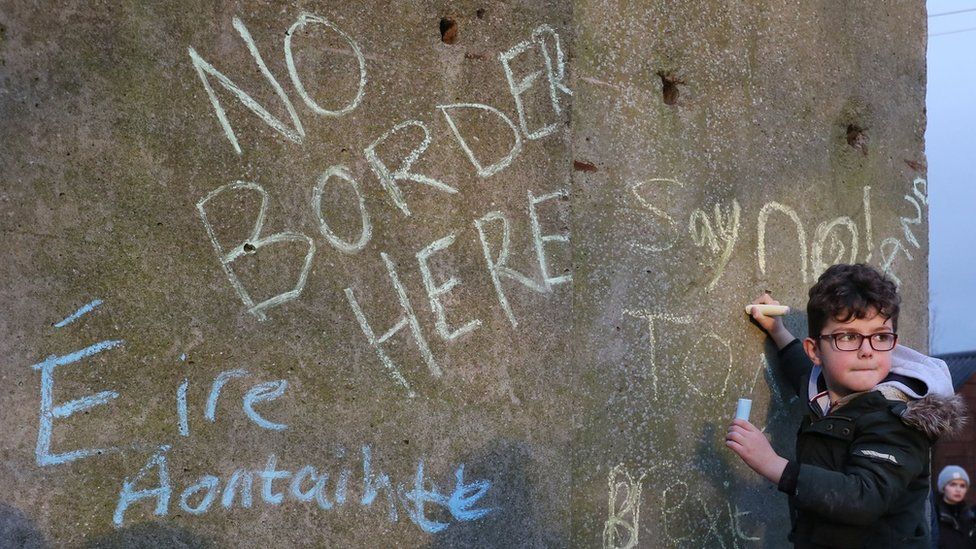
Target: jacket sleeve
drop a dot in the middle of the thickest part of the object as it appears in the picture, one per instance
(882, 460)
(795, 366)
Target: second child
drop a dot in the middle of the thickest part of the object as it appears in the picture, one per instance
(957, 523)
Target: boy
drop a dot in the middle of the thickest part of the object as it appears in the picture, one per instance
(957, 525)
(861, 473)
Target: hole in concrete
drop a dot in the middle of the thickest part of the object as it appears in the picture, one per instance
(669, 87)
(449, 30)
(248, 247)
(857, 138)
(480, 13)
(584, 166)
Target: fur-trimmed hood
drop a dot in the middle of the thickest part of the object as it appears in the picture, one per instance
(931, 406)
(936, 415)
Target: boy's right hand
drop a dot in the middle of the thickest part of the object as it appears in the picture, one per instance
(773, 325)
(768, 323)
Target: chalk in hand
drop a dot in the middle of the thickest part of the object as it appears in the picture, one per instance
(743, 408)
(768, 310)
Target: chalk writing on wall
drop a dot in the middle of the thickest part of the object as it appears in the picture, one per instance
(622, 528)
(306, 484)
(683, 511)
(836, 240)
(717, 235)
(44, 456)
(154, 485)
(682, 514)
(254, 243)
(891, 246)
(154, 488)
(532, 125)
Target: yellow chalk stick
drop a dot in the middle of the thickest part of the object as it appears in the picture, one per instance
(768, 310)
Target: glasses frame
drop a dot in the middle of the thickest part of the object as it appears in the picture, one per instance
(869, 337)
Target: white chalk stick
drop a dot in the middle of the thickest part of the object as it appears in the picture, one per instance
(768, 310)
(743, 408)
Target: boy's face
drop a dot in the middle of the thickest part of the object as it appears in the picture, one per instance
(854, 371)
(955, 491)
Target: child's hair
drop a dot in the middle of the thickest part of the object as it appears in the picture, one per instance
(845, 292)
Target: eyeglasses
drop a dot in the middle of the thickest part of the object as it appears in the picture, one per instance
(851, 341)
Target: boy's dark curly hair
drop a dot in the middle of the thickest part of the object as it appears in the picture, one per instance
(845, 292)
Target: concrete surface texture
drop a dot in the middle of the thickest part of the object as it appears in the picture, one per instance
(427, 273)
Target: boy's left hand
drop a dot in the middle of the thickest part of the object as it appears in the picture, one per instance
(750, 444)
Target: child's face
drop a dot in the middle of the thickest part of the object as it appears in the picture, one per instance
(854, 371)
(955, 491)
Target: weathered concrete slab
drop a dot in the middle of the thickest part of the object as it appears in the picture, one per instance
(739, 147)
(427, 274)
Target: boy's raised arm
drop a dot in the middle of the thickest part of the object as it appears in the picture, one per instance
(794, 363)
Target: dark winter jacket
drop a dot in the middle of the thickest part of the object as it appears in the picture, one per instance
(957, 526)
(860, 477)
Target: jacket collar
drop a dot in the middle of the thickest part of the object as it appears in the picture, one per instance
(935, 414)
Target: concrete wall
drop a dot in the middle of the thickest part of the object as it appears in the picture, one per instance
(429, 274)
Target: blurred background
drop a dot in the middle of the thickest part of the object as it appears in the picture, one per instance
(950, 146)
